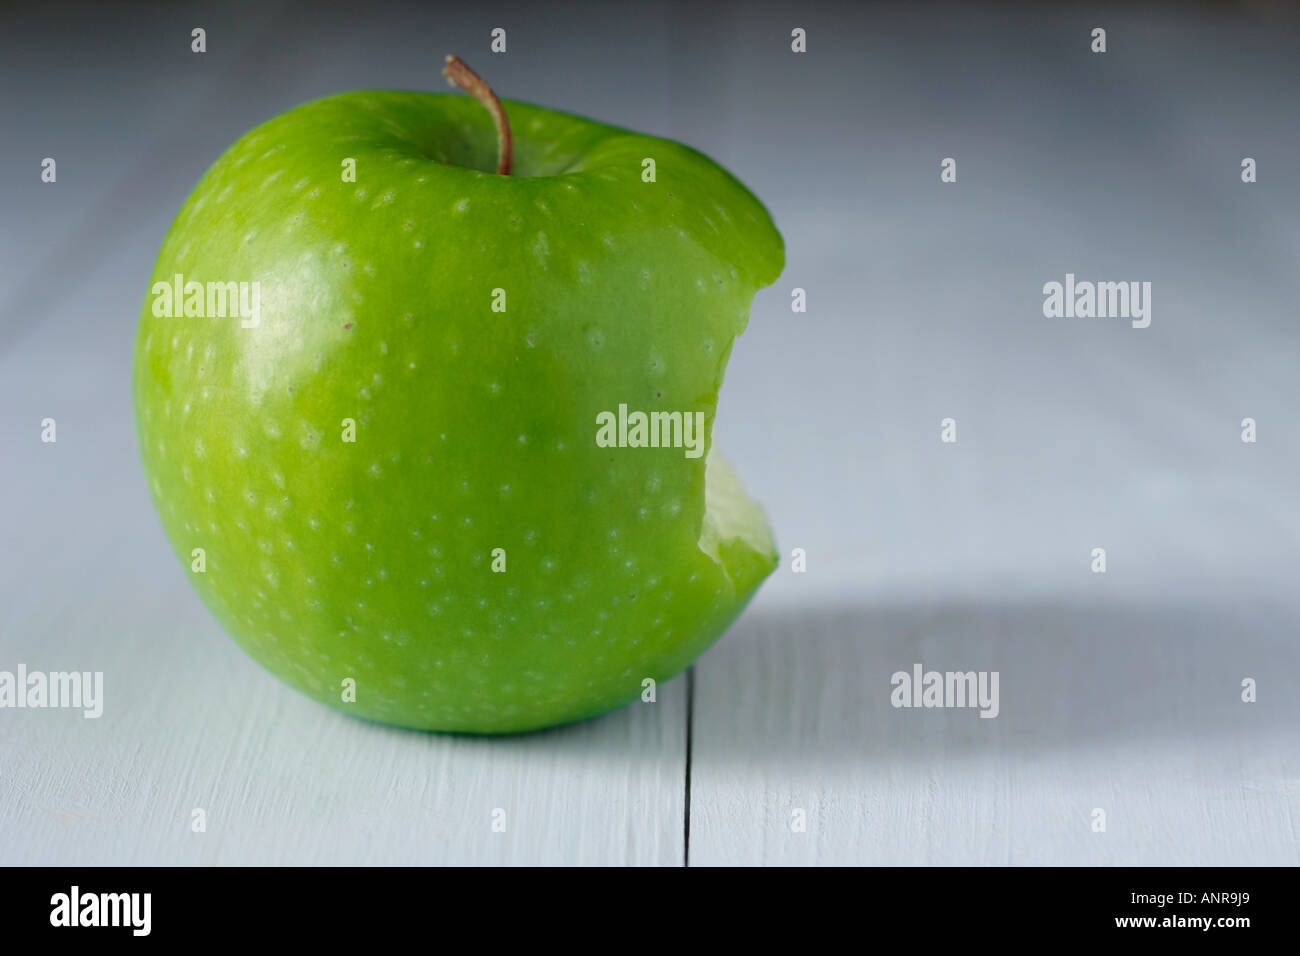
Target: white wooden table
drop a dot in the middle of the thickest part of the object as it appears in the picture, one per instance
(1119, 691)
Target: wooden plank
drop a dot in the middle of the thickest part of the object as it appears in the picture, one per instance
(1129, 708)
(131, 117)
(1119, 691)
(189, 722)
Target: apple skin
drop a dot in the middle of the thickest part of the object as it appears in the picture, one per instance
(371, 560)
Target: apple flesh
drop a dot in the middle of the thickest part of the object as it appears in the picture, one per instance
(471, 560)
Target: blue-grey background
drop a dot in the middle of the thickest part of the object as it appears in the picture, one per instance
(924, 302)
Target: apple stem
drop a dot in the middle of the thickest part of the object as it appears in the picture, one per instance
(461, 75)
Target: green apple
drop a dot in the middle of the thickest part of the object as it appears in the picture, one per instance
(381, 471)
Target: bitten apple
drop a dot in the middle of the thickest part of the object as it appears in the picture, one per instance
(388, 486)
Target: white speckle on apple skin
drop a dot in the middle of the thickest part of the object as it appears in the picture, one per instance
(541, 249)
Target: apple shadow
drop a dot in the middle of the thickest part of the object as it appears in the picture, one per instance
(798, 686)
